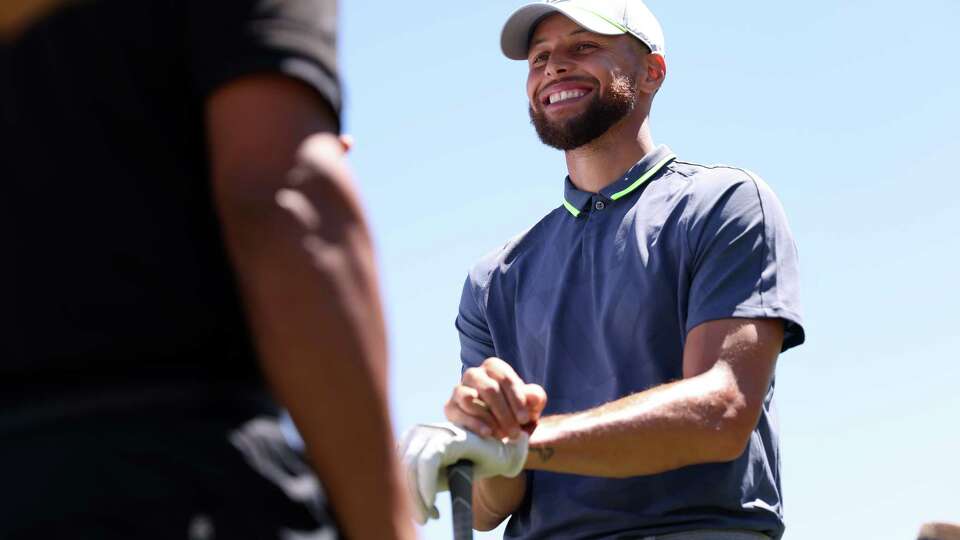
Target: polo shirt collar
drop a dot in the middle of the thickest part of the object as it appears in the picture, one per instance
(577, 201)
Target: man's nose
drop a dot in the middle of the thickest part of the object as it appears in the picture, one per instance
(556, 65)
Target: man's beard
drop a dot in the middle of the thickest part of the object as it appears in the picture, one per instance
(601, 114)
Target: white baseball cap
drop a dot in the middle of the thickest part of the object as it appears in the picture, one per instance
(609, 17)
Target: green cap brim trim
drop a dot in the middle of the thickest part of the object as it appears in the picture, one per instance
(640, 181)
(612, 23)
(592, 21)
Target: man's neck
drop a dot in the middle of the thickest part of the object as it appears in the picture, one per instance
(594, 166)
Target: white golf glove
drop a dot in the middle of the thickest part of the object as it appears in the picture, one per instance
(428, 449)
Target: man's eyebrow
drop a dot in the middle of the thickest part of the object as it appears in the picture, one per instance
(536, 42)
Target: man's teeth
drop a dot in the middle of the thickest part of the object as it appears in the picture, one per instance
(565, 95)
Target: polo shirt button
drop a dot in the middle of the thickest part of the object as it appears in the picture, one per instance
(599, 205)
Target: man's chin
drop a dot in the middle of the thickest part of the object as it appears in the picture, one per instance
(564, 126)
(571, 131)
(565, 113)
(563, 139)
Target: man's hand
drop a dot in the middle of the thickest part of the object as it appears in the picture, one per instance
(428, 449)
(492, 400)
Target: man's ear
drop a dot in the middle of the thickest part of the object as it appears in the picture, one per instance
(654, 73)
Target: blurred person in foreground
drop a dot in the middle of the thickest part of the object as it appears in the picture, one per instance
(189, 254)
(637, 326)
(939, 531)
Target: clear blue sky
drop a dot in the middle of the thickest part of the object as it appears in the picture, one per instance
(848, 110)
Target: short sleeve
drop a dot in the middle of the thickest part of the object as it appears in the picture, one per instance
(227, 39)
(744, 259)
(476, 343)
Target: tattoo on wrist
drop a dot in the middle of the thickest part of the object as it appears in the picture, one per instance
(543, 452)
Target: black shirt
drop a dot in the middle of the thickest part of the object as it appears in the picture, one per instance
(115, 277)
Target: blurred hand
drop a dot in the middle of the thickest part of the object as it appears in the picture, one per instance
(491, 400)
(428, 449)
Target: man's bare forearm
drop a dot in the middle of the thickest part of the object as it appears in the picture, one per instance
(703, 419)
(495, 499)
(304, 259)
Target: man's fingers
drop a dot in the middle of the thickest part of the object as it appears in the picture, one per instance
(475, 407)
(420, 511)
(465, 408)
(511, 386)
(493, 395)
(428, 469)
(411, 447)
(489, 391)
(509, 389)
(471, 424)
(536, 399)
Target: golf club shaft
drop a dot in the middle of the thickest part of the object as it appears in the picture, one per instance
(460, 478)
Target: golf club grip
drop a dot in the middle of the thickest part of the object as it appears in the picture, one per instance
(460, 478)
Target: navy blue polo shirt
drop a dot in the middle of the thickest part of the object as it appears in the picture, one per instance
(594, 303)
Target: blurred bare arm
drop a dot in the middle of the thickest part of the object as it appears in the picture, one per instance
(304, 261)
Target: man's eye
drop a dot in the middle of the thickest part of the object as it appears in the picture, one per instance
(585, 46)
(540, 58)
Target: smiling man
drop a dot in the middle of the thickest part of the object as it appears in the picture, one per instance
(637, 326)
